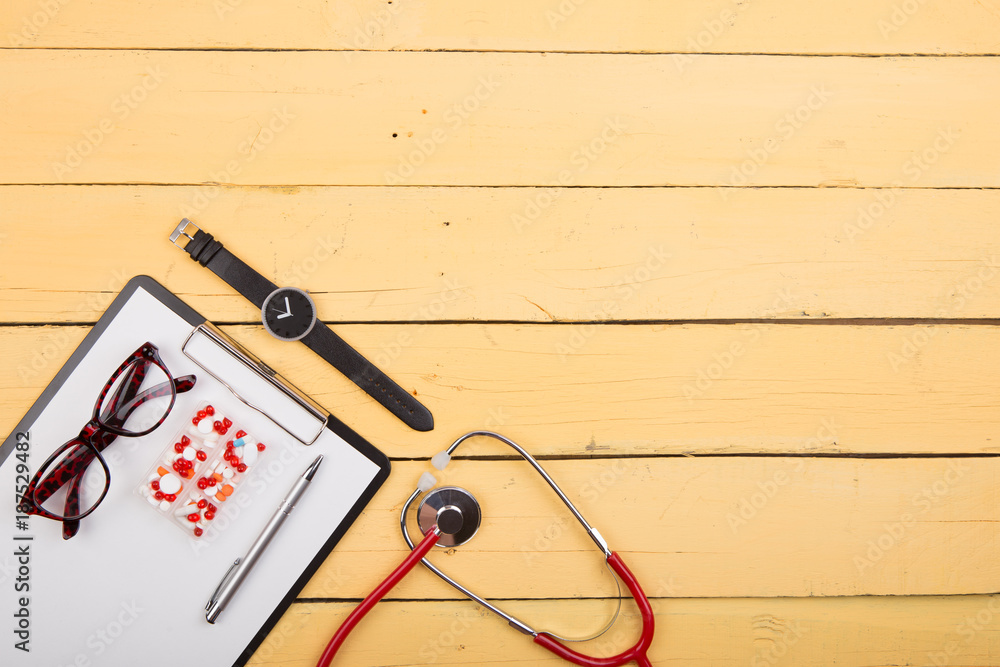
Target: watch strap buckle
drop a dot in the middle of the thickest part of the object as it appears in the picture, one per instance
(182, 230)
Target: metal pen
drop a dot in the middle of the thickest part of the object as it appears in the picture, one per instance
(239, 570)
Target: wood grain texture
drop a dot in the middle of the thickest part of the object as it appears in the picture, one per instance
(302, 118)
(713, 26)
(634, 389)
(807, 632)
(461, 254)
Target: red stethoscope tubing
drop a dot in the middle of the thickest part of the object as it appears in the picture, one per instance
(635, 654)
(414, 557)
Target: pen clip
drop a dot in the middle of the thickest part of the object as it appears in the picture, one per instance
(225, 580)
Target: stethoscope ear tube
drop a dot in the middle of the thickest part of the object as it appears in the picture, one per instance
(414, 557)
(637, 653)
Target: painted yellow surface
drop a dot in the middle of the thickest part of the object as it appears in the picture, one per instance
(858, 632)
(307, 118)
(463, 254)
(758, 349)
(690, 26)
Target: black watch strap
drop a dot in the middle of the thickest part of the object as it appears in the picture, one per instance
(211, 254)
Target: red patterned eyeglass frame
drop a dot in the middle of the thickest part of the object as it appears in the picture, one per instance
(97, 434)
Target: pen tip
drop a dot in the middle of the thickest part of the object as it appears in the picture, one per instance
(311, 470)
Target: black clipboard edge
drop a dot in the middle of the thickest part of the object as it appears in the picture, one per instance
(192, 317)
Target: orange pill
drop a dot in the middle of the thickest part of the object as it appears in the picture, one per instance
(217, 476)
(161, 471)
(227, 489)
(220, 497)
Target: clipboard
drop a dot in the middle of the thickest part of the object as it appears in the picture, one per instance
(129, 588)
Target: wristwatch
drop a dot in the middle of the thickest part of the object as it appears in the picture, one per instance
(289, 313)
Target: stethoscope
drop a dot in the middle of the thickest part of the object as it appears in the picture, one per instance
(450, 516)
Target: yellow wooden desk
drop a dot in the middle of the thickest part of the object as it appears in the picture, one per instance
(730, 266)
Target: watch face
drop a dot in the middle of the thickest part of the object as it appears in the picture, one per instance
(288, 313)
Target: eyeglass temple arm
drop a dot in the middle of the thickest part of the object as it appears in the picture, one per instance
(72, 507)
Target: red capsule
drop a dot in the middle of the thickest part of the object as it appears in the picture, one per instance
(219, 428)
(159, 495)
(178, 447)
(241, 434)
(209, 515)
(209, 410)
(202, 504)
(202, 414)
(195, 420)
(202, 483)
(201, 455)
(212, 508)
(185, 440)
(227, 422)
(155, 484)
(260, 447)
(198, 531)
(241, 467)
(211, 481)
(193, 517)
(170, 497)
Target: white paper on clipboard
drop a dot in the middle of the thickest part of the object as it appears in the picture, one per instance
(131, 589)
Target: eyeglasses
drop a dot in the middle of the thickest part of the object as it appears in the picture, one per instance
(134, 402)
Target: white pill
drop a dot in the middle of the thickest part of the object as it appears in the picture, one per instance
(164, 505)
(189, 453)
(250, 454)
(205, 425)
(170, 483)
(152, 501)
(227, 474)
(212, 439)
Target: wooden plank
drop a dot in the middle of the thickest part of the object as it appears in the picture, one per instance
(665, 253)
(808, 632)
(303, 118)
(696, 527)
(715, 26)
(634, 389)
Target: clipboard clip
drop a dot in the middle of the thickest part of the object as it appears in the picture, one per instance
(264, 372)
(225, 580)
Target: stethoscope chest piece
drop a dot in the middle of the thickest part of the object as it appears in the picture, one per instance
(454, 510)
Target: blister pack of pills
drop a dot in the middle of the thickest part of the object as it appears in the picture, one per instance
(203, 468)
